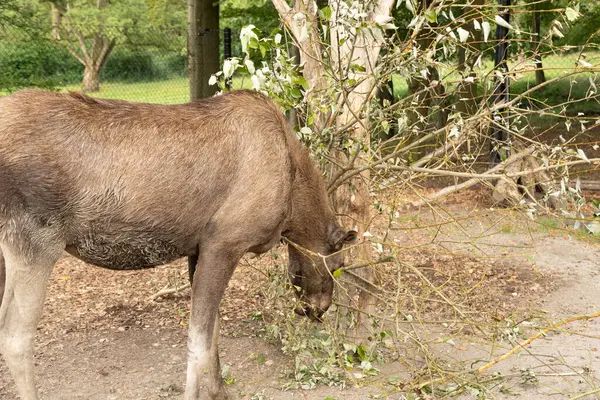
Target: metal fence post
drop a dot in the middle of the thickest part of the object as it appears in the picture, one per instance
(499, 143)
(227, 51)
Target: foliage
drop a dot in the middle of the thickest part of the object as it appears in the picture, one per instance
(128, 22)
(236, 14)
(423, 133)
(322, 357)
(587, 29)
(142, 65)
(35, 63)
(24, 15)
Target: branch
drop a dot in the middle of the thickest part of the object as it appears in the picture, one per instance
(537, 336)
(74, 53)
(107, 47)
(84, 49)
(284, 11)
(487, 175)
(473, 181)
(167, 290)
(381, 260)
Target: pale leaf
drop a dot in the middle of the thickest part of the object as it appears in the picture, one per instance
(486, 30)
(250, 66)
(502, 22)
(463, 34)
(556, 32)
(582, 155)
(572, 15)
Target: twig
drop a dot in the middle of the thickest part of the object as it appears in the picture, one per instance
(166, 290)
(581, 396)
(537, 336)
(368, 264)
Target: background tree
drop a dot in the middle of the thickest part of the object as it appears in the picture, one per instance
(330, 51)
(203, 46)
(91, 30)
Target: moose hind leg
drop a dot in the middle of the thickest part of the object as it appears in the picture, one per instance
(2, 276)
(24, 291)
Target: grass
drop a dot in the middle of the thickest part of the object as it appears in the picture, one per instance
(569, 90)
(171, 91)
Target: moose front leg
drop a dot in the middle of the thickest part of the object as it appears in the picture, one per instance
(214, 269)
(192, 263)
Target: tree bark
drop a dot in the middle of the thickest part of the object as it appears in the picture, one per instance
(418, 115)
(94, 61)
(352, 199)
(92, 58)
(467, 55)
(540, 76)
(203, 46)
(301, 21)
(56, 15)
(91, 79)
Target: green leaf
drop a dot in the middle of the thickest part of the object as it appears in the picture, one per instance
(300, 80)
(431, 16)
(263, 49)
(362, 354)
(295, 93)
(359, 68)
(326, 12)
(337, 273)
(253, 43)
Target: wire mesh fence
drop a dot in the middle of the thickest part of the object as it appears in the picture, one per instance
(153, 70)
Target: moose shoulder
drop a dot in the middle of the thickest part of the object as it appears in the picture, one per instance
(126, 185)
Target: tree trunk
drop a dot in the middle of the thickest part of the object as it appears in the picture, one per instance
(56, 19)
(467, 55)
(76, 42)
(540, 76)
(203, 46)
(351, 199)
(417, 114)
(91, 78)
(94, 61)
(293, 116)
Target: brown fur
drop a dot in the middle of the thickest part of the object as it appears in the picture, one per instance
(128, 185)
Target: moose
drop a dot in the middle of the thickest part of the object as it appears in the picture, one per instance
(124, 185)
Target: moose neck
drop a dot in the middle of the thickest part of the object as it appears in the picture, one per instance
(312, 215)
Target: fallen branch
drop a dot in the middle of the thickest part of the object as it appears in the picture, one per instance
(581, 396)
(166, 290)
(491, 176)
(474, 181)
(537, 336)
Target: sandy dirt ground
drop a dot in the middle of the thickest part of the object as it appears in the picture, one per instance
(102, 338)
